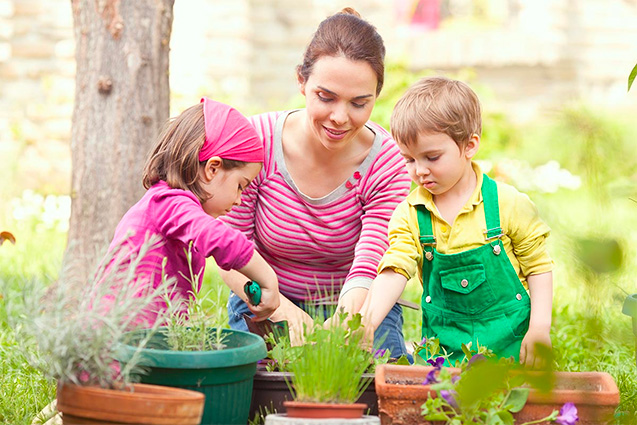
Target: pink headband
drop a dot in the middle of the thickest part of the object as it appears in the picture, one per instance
(229, 134)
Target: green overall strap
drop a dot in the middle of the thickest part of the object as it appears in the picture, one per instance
(427, 238)
(491, 208)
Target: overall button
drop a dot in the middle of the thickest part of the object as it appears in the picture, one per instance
(429, 256)
(428, 299)
(518, 297)
(497, 250)
(464, 283)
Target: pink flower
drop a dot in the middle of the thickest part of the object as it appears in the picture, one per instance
(568, 415)
(84, 377)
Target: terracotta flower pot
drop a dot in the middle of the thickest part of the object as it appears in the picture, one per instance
(401, 393)
(270, 390)
(299, 409)
(145, 404)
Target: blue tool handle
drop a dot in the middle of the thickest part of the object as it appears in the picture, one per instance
(253, 291)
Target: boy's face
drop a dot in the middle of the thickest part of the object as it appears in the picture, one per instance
(436, 163)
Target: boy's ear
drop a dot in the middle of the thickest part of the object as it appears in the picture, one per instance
(472, 146)
(212, 168)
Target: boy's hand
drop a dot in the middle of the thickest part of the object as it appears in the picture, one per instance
(270, 302)
(529, 355)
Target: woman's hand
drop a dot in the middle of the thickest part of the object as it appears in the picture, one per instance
(296, 319)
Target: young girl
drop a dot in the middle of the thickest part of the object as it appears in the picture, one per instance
(201, 164)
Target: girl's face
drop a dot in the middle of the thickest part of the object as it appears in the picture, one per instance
(340, 95)
(225, 186)
(437, 163)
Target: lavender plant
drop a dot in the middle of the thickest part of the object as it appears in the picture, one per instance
(188, 326)
(70, 332)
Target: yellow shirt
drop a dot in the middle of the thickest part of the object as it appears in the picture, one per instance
(524, 237)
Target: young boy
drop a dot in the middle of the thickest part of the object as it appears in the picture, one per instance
(478, 246)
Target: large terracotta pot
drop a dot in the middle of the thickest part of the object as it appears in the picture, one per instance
(144, 404)
(401, 394)
(270, 390)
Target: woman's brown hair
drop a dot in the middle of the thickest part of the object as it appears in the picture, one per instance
(346, 34)
(175, 157)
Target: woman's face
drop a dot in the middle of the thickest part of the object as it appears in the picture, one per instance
(340, 95)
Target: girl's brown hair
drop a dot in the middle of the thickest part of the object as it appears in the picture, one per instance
(346, 34)
(175, 157)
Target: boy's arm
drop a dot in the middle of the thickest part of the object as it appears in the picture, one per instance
(541, 292)
(382, 295)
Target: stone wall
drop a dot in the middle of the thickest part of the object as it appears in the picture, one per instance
(536, 55)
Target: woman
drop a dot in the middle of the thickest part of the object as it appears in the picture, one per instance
(319, 209)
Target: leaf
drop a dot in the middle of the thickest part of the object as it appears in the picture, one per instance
(6, 236)
(632, 76)
(517, 399)
(506, 417)
(402, 360)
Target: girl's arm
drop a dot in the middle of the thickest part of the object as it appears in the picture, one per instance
(541, 292)
(259, 271)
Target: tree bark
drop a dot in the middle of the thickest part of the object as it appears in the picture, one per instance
(121, 101)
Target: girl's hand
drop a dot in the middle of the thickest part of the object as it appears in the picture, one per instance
(296, 319)
(529, 355)
(270, 302)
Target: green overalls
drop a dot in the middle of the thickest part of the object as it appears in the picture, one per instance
(474, 295)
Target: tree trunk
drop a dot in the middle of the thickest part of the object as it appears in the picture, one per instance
(121, 101)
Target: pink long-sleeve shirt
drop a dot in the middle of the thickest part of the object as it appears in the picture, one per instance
(319, 247)
(177, 218)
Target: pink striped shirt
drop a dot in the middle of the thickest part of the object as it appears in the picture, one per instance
(320, 246)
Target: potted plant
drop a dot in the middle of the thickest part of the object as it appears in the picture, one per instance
(483, 391)
(193, 351)
(273, 380)
(326, 374)
(71, 335)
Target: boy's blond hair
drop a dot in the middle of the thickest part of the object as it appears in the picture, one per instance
(437, 105)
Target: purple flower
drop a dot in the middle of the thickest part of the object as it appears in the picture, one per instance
(423, 342)
(431, 377)
(437, 362)
(450, 397)
(380, 353)
(475, 358)
(455, 379)
(568, 415)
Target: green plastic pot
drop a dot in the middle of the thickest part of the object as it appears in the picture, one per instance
(630, 309)
(225, 376)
